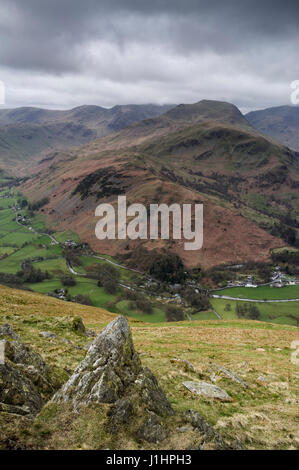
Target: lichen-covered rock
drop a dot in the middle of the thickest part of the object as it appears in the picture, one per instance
(18, 391)
(120, 413)
(28, 362)
(230, 375)
(111, 371)
(152, 394)
(78, 325)
(111, 364)
(48, 334)
(152, 430)
(207, 390)
(206, 430)
(6, 332)
(25, 382)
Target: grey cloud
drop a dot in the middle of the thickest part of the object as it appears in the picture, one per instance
(158, 50)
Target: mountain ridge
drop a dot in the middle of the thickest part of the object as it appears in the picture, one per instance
(239, 174)
(30, 134)
(280, 122)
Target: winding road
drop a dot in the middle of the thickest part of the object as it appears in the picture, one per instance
(226, 297)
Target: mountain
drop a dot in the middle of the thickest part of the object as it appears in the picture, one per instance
(280, 122)
(206, 152)
(30, 134)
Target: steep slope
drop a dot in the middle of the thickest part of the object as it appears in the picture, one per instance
(29, 134)
(281, 122)
(28, 304)
(206, 152)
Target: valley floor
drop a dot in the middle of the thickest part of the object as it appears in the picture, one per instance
(20, 242)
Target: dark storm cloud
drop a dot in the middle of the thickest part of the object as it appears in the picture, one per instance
(134, 50)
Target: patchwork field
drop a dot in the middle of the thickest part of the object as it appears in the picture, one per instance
(18, 244)
(262, 293)
(284, 313)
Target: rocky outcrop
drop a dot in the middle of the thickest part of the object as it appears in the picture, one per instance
(112, 373)
(25, 383)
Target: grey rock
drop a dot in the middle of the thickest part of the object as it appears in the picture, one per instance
(151, 393)
(207, 390)
(229, 374)
(213, 378)
(110, 365)
(187, 365)
(17, 390)
(6, 332)
(112, 370)
(13, 409)
(184, 428)
(25, 382)
(152, 430)
(262, 379)
(120, 413)
(48, 334)
(208, 432)
(78, 325)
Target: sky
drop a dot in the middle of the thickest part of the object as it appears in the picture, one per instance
(66, 53)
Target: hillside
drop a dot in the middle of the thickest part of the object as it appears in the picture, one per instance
(31, 134)
(206, 152)
(260, 413)
(280, 122)
(28, 303)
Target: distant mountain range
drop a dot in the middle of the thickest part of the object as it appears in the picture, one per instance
(29, 134)
(281, 122)
(205, 152)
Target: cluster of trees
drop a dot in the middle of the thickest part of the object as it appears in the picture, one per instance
(82, 299)
(107, 276)
(22, 203)
(138, 302)
(168, 268)
(199, 302)
(35, 206)
(174, 313)
(29, 273)
(286, 233)
(71, 256)
(249, 311)
(290, 260)
(10, 280)
(285, 257)
(67, 280)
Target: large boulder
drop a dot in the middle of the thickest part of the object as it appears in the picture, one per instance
(25, 383)
(112, 373)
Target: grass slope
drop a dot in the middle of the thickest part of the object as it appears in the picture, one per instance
(261, 417)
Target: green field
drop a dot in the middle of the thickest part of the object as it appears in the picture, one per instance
(262, 293)
(283, 313)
